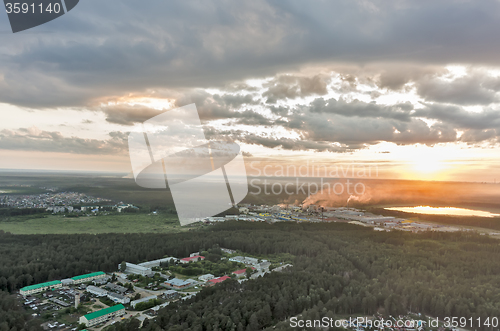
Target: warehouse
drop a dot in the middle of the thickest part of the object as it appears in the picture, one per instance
(37, 288)
(137, 269)
(88, 277)
(102, 315)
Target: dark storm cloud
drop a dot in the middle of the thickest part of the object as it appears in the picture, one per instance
(50, 141)
(118, 47)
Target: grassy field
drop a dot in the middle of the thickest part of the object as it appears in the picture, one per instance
(55, 224)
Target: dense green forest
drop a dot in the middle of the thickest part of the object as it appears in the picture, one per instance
(338, 269)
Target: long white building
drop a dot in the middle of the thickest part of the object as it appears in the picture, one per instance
(137, 269)
(156, 263)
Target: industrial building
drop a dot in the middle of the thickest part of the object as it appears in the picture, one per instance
(118, 298)
(137, 269)
(88, 277)
(146, 299)
(102, 315)
(37, 288)
(179, 283)
(97, 291)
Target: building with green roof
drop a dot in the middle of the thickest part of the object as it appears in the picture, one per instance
(88, 277)
(37, 288)
(102, 315)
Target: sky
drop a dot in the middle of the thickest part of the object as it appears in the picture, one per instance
(409, 87)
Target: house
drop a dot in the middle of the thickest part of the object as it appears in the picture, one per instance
(214, 281)
(206, 277)
(179, 283)
(102, 315)
(192, 259)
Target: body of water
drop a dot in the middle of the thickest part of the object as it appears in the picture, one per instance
(444, 211)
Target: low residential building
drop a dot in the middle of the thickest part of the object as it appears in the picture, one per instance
(97, 291)
(118, 298)
(192, 259)
(171, 294)
(37, 288)
(179, 283)
(137, 269)
(88, 277)
(146, 299)
(217, 280)
(116, 288)
(206, 277)
(102, 315)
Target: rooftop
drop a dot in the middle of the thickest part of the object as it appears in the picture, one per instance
(103, 312)
(33, 287)
(192, 258)
(93, 274)
(218, 280)
(178, 282)
(241, 271)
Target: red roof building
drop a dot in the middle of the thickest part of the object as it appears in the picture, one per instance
(192, 258)
(241, 271)
(217, 280)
